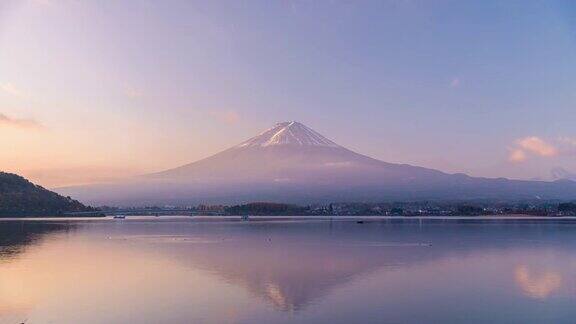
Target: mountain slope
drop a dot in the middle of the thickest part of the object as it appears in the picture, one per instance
(292, 163)
(291, 152)
(20, 197)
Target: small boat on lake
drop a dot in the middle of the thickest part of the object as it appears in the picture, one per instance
(245, 217)
(119, 216)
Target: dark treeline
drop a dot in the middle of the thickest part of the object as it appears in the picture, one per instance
(20, 198)
(266, 208)
(423, 208)
(538, 208)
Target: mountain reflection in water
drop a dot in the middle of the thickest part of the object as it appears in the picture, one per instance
(15, 236)
(538, 285)
(181, 270)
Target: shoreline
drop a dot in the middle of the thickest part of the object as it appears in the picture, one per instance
(396, 219)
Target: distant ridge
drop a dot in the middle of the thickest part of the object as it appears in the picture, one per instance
(293, 163)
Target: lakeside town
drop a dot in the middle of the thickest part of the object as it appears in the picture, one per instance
(425, 208)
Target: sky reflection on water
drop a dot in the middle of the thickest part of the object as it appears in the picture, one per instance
(186, 271)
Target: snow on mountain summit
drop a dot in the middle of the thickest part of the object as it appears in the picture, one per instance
(289, 133)
(292, 163)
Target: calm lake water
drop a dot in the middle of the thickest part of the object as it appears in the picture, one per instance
(181, 270)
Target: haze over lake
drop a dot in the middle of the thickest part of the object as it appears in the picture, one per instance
(176, 270)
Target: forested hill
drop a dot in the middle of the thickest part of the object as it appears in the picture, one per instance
(20, 197)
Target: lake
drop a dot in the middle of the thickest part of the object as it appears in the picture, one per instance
(187, 270)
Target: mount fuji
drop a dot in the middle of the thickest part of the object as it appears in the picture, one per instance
(290, 152)
(293, 163)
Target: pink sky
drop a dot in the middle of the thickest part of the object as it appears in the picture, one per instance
(94, 91)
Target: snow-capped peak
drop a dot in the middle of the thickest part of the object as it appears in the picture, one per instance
(289, 133)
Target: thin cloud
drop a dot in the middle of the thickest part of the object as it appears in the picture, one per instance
(229, 117)
(567, 145)
(537, 146)
(10, 89)
(19, 122)
(567, 140)
(455, 83)
(517, 155)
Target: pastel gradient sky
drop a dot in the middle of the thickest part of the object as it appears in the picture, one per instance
(95, 90)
